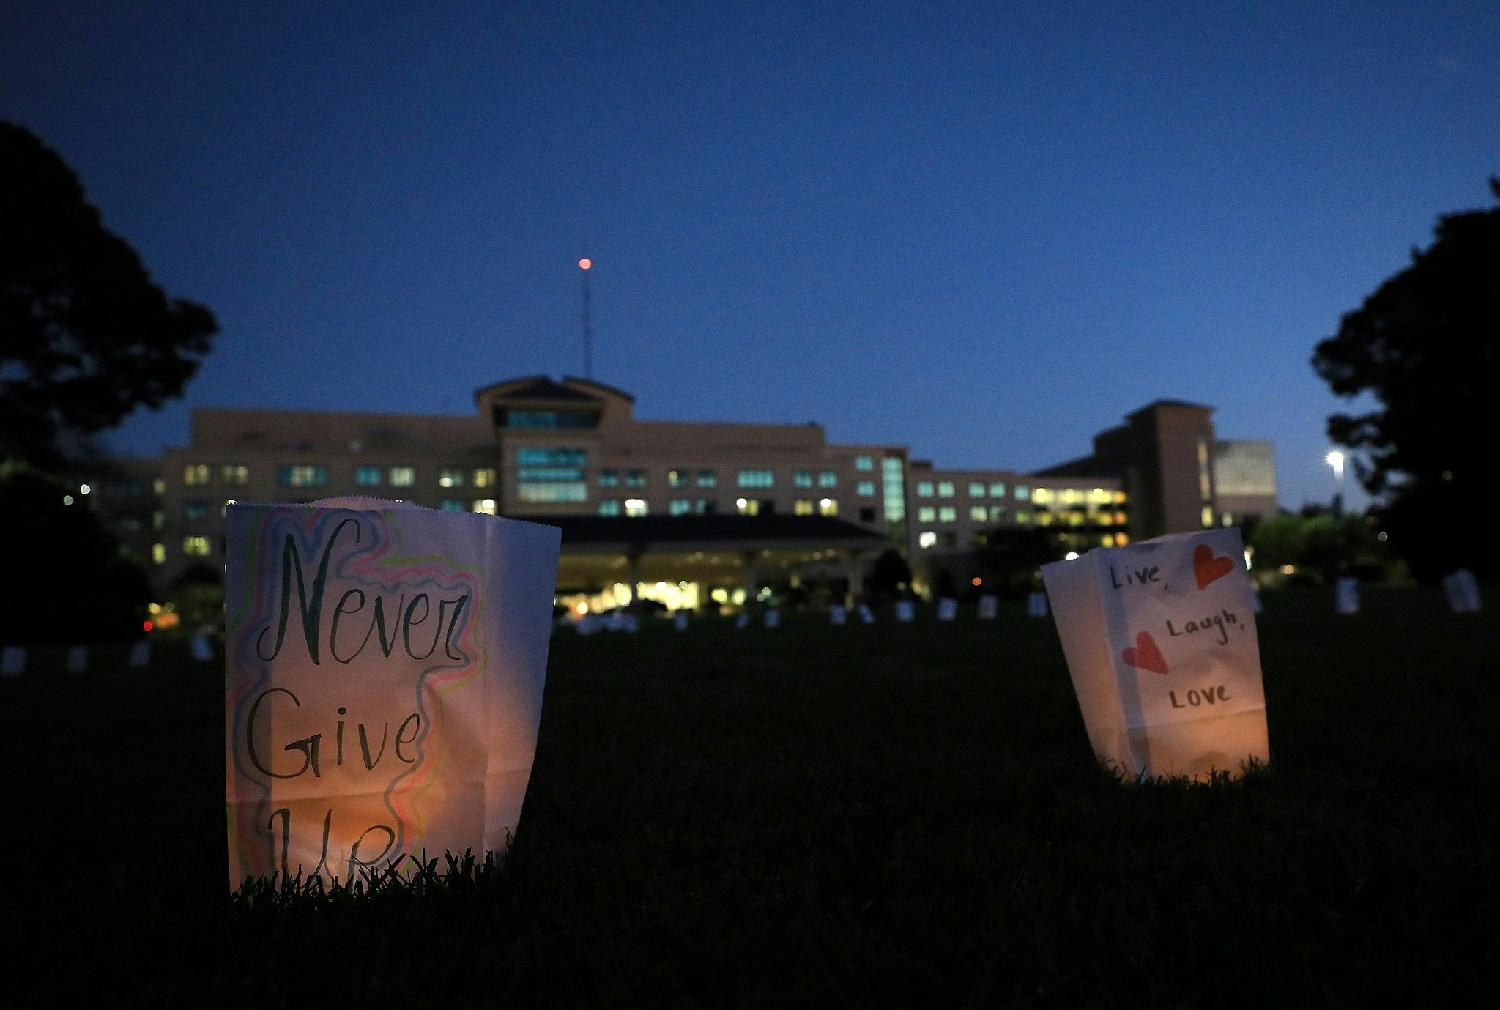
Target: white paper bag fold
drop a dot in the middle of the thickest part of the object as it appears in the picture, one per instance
(1346, 595)
(1462, 591)
(384, 674)
(1161, 645)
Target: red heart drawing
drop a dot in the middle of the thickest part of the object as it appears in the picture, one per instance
(1206, 567)
(1144, 655)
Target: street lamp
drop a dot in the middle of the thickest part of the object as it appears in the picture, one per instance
(1335, 459)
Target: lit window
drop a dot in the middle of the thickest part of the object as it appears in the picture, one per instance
(997, 513)
(679, 507)
(864, 462)
(1207, 516)
(677, 478)
(158, 486)
(947, 514)
(1023, 517)
(609, 478)
(865, 489)
(997, 489)
(1099, 496)
(828, 478)
(707, 478)
(802, 507)
(1042, 495)
(1044, 518)
(893, 492)
(195, 546)
(635, 508)
(403, 476)
(828, 507)
(757, 478)
(924, 489)
(484, 505)
(926, 514)
(551, 474)
(553, 419)
(195, 474)
(635, 478)
(303, 475)
(801, 478)
(195, 508)
(367, 476)
(1023, 493)
(747, 506)
(978, 513)
(234, 474)
(545, 491)
(450, 478)
(484, 477)
(945, 489)
(609, 507)
(451, 505)
(158, 554)
(927, 538)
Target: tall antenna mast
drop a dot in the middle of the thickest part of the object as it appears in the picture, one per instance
(584, 266)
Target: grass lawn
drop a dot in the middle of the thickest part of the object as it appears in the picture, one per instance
(813, 816)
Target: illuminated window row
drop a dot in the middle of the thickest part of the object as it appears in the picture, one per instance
(485, 506)
(976, 489)
(201, 475)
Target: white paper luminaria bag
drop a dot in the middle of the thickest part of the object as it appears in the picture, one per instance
(1161, 644)
(384, 667)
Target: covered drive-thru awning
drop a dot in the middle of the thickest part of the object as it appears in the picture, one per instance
(707, 549)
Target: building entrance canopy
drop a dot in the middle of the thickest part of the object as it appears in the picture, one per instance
(712, 549)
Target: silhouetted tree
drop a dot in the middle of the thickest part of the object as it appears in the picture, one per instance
(1425, 345)
(66, 582)
(890, 576)
(85, 336)
(1012, 555)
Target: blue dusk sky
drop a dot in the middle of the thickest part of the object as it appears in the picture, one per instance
(985, 231)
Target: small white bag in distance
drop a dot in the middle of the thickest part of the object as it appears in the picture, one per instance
(1161, 644)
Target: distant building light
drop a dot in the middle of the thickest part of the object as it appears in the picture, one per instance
(1382, 536)
(1288, 569)
(84, 489)
(976, 581)
(1071, 556)
(67, 499)
(585, 263)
